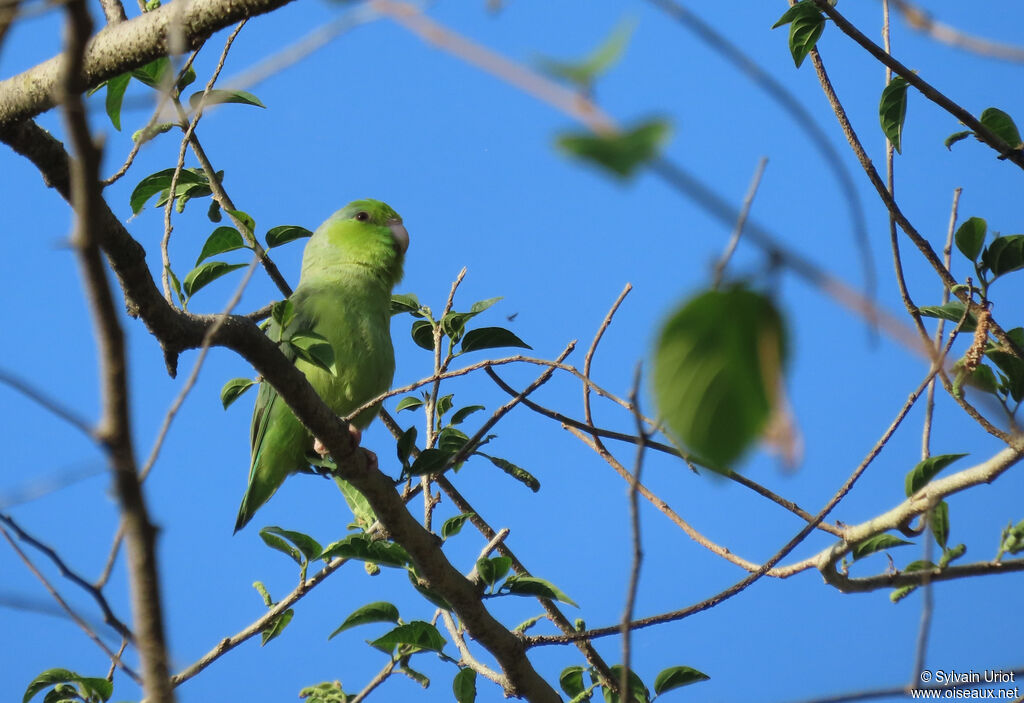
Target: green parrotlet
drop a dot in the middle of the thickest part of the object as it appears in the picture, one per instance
(349, 268)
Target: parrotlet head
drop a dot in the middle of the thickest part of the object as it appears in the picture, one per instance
(364, 232)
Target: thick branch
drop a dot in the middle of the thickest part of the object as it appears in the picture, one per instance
(124, 46)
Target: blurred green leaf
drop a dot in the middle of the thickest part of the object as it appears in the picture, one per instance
(518, 473)
(429, 461)
(315, 349)
(571, 681)
(409, 402)
(938, 520)
(462, 413)
(621, 153)
(584, 73)
(362, 512)
(638, 692)
(423, 334)
(717, 368)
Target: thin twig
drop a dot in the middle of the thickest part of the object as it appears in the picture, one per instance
(67, 609)
(921, 20)
(376, 681)
(71, 575)
(114, 429)
(983, 133)
(637, 546)
(738, 587)
(734, 240)
(42, 399)
(467, 658)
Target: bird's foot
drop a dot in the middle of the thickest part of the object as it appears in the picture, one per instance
(323, 451)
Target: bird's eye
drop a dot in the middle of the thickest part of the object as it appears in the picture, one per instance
(362, 216)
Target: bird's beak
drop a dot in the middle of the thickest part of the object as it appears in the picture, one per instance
(400, 234)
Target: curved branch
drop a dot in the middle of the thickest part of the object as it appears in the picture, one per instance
(126, 45)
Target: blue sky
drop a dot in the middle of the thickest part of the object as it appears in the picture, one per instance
(470, 164)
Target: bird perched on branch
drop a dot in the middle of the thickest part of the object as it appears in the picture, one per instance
(336, 327)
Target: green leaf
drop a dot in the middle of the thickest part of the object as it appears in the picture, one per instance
(1003, 125)
(116, 87)
(153, 73)
(1004, 254)
(462, 413)
(282, 234)
(677, 677)
(491, 338)
(244, 218)
(516, 472)
(952, 311)
(427, 592)
(491, 570)
(956, 137)
(159, 182)
(380, 611)
(309, 547)
(275, 542)
(315, 349)
(806, 24)
(360, 546)
(926, 470)
(417, 634)
(444, 404)
(225, 96)
(533, 586)
(363, 513)
(717, 368)
(892, 111)
(970, 237)
(202, 275)
(621, 153)
(423, 334)
(326, 692)
(223, 239)
(406, 443)
(481, 305)
(143, 135)
(176, 285)
(938, 520)
(453, 525)
(571, 681)
(464, 686)
(405, 302)
(264, 593)
(409, 402)
(90, 686)
(528, 623)
(583, 73)
(451, 440)
(283, 312)
(1011, 540)
(234, 388)
(952, 554)
(638, 692)
(277, 626)
(874, 544)
(429, 461)
(1013, 368)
